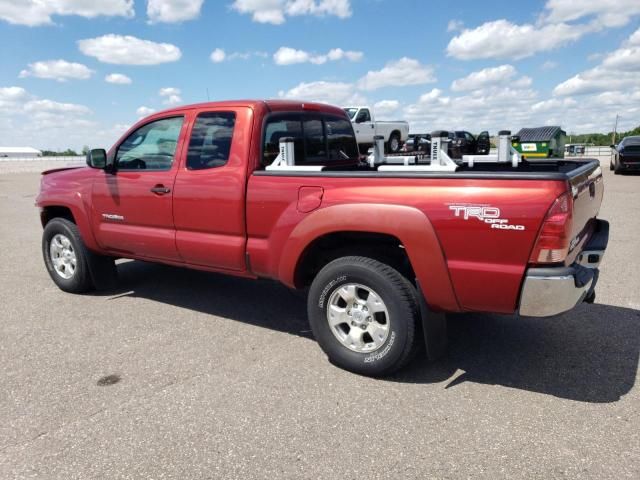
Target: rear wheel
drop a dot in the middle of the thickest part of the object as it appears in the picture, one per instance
(65, 256)
(364, 315)
(393, 146)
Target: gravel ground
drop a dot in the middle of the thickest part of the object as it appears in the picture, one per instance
(183, 374)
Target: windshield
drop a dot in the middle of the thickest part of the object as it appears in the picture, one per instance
(351, 112)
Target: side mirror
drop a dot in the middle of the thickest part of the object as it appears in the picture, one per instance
(97, 158)
(613, 146)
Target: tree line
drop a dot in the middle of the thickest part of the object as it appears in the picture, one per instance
(601, 138)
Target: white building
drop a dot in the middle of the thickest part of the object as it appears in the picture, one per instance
(19, 152)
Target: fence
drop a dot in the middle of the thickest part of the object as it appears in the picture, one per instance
(37, 164)
(593, 151)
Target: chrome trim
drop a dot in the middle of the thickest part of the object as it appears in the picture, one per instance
(548, 296)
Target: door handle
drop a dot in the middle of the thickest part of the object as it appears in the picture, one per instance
(160, 189)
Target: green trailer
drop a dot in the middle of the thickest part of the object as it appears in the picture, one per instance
(541, 142)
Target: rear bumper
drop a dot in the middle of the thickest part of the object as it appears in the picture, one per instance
(551, 291)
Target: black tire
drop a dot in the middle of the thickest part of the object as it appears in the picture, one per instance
(616, 169)
(399, 297)
(611, 165)
(80, 281)
(390, 143)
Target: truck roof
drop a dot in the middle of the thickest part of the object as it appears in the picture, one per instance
(273, 105)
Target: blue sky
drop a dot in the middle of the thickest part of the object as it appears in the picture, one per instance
(465, 65)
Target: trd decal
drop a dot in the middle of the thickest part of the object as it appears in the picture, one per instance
(486, 214)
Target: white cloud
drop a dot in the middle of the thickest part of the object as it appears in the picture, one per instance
(144, 111)
(39, 12)
(605, 13)
(11, 98)
(554, 29)
(171, 95)
(45, 106)
(218, 55)
(455, 25)
(384, 108)
(335, 93)
(168, 91)
(484, 78)
(290, 56)
(129, 50)
(549, 65)
(173, 100)
(399, 73)
(118, 78)
(276, 11)
(173, 11)
(617, 71)
(503, 39)
(59, 125)
(59, 70)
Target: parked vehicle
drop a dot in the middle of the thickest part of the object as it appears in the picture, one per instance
(423, 143)
(365, 127)
(464, 143)
(384, 254)
(626, 155)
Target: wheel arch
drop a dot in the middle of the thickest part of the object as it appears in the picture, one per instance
(69, 212)
(373, 223)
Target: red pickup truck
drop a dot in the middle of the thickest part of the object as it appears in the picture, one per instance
(383, 254)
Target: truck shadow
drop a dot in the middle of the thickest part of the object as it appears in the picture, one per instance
(588, 355)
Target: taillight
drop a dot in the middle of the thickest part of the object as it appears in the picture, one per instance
(553, 241)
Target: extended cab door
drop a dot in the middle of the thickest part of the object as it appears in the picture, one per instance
(132, 206)
(364, 127)
(209, 191)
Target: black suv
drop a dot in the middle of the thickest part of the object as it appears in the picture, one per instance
(464, 143)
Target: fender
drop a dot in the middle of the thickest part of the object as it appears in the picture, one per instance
(77, 199)
(408, 224)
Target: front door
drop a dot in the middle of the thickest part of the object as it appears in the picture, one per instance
(364, 128)
(484, 143)
(133, 206)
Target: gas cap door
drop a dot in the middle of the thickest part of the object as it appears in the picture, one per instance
(309, 198)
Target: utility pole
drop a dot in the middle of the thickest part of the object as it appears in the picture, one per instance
(615, 130)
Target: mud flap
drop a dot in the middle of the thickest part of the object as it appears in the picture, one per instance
(103, 271)
(434, 328)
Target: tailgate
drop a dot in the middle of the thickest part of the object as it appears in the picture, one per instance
(587, 189)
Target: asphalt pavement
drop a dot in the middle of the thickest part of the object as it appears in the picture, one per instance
(181, 374)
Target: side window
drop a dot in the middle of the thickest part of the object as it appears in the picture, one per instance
(278, 127)
(210, 140)
(150, 147)
(341, 141)
(314, 140)
(363, 116)
(468, 136)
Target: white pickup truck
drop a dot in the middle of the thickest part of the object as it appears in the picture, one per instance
(365, 128)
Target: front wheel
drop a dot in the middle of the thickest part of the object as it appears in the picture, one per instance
(364, 315)
(65, 256)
